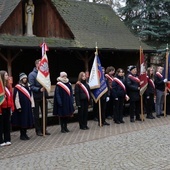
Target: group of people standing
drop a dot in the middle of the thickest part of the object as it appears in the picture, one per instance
(21, 106)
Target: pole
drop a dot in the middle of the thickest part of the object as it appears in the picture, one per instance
(166, 76)
(141, 95)
(43, 116)
(100, 117)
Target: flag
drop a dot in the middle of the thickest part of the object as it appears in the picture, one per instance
(143, 75)
(94, 81)
(97, 80)
(43, 76)
(2, 92)
(166, 71)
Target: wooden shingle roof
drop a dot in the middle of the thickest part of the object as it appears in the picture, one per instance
(89, 22)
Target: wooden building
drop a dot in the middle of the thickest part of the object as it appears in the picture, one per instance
(70, 29)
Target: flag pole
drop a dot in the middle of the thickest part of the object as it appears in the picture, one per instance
(166, 76)
(100, 118)
(44, 105)
(141, 95)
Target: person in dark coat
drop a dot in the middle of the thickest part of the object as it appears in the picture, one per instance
(38, 90)
(24, 103)
(133, 87)
(168, 98)
(160, 89)
(119, 95)
(149, 94)
(63, 101)
(83, 99)
(109, 105)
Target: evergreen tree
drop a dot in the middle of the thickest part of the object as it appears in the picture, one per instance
(149, 19)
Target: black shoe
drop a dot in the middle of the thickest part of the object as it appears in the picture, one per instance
(162, 114)
(138, 119)
(23, 138)
(122, 121)
(47, 133)
(117, 122)
(26, 136)
(152, 117)
(39, 134)
(63, 131)
(66, 129)
(105, 123)
(132, 120)
(87, 127)
(83, 128)
(149, 117)
(158, 116)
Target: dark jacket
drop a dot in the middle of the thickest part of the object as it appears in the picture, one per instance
(80, 94)
(150, 88)
(159, 83)
(132, 88)
(117, 90)
(63, 103)
(35, 85)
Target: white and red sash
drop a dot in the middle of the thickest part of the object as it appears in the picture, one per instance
(159, 75)
(134, 78)
(62, 85)
(85, 90)
(24, 91)
(151, 83)
(109, 77)
(120, 83)
(7, 91)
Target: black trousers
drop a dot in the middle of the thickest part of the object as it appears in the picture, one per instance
(110, 107)
(149, 104)
(5, 125)
(134, 109)
(118, 113)
(37, 123)
(83, 113)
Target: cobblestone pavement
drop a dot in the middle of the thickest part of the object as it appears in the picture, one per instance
(130, 146)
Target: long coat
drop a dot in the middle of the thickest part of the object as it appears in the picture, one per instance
(63, 102)
(24, 104)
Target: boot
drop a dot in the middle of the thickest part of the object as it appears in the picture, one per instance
(25, 134)
(62, 129)
(22, 134)
(149, 116)
(65, 127)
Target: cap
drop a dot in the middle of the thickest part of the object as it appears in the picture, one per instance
(63, 74)
(22, 75)
(131, 68)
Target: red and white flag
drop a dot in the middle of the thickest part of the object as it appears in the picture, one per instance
(143, 75)
(43, 76)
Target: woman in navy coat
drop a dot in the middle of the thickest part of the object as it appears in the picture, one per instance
(63, 101)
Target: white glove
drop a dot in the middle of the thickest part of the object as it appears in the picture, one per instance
(165, 80)
(107, 99)
(147, 97)
(116, 98)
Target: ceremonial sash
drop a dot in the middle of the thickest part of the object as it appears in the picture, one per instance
(6, 89)
(24, 91)
(151, 83)
(159, 74)
(85, 90)
(120, 83)
(109, 77)
(134, 78)
(63, 86)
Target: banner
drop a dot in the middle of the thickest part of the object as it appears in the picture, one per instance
(2, 92)
(43, 76)
(166, 71)
(94, 81)
(102, 86)
(143, 75)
